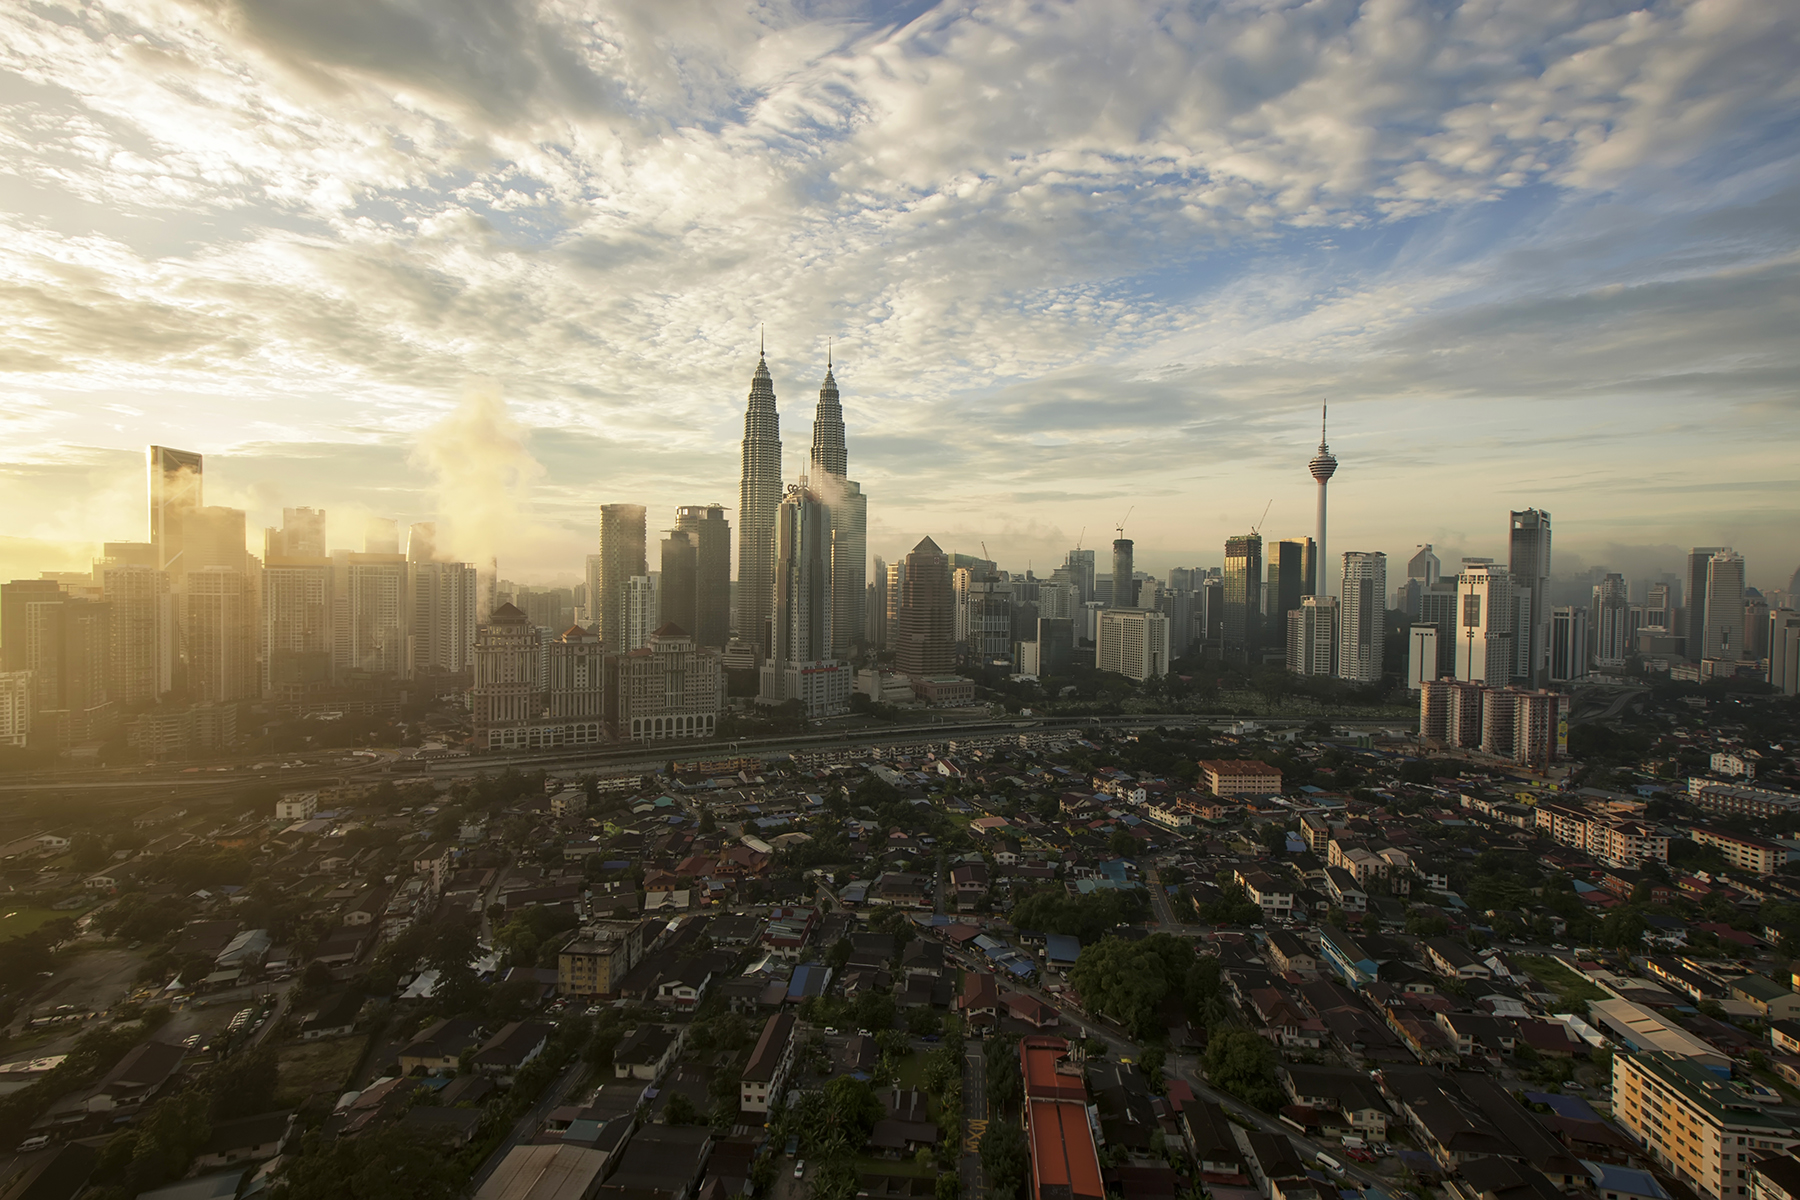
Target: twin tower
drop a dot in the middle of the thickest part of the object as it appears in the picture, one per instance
(802, 550)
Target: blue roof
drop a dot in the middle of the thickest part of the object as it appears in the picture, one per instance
(1573, 1107)
(1019, 967)
(1060, 947)
(1633, 1182)
(1295, 844)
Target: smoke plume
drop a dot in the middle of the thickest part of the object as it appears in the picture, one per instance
(483, 475)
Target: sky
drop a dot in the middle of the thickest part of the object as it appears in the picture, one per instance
(497, 262)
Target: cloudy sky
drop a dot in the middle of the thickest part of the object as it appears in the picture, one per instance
(500, 261)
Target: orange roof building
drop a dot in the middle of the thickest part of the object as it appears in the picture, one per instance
(1064, 1163)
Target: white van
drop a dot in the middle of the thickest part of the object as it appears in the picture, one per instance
(1330, 1164)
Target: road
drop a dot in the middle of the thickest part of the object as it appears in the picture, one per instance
(1164, 911)
(526, 1127)
(975, 1110)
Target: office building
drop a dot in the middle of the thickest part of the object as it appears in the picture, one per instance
(1724, 640)
(1293, 573)
(1323, 466)
(849, 517)
(801, 618)
(678, 599)
(988, 612)
(445, 602)
(1659, 609)
(1607, 623)
(622, 559)
(875, 626)
(1082, 573)
(1438, 606)
(1530, 565)
(175, 482)
(1694, 622)
(1703, 1130)
(508, 694)
(1312, 636)
(894, 588)
(1485, 623)
(1362, 617)
(1784, 651)
(707, 528)
(1243, 595)
(143, 634)
(1184, 609)
(1133, 642)
(1568, 644)
(1422, 571)
(926, 643)
(759, 498)
(670, 688)
(1421, 655)
(421, 542)
(575, 685)
(211, 536)
(1055, 645)
(220, 639)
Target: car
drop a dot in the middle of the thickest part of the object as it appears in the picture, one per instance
(35, 1142)
(830, 1029)
(190, 1041)
(800, 1169)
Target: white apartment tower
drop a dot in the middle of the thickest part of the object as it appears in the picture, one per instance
(1485, 624)
(1724, 639)
(1312, 636)
(1362, 617)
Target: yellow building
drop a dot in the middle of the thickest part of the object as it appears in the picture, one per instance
(1696, 1124)
(600, 956)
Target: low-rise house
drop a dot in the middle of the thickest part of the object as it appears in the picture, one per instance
(1352, 1095)
(440, 1045)
(138, 1077)
(647, 1052)
(769, 1064)
(245, 1140)
(1448, 956)
(513, 1046)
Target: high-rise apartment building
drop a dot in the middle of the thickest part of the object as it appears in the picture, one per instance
(622, 558)
(143, 635)
(297, 622)
(211, 536)
(1694, 625)
(1243, 596)
(926, 641)
(1568, 643)
(680, 598)
(1485, 623)
(1293, 573)
(302, 535)
(1724, 640)
(445, 601)
(379, 613)
(1607, 622)
(1323, 466)
(759, 498)
(1312, 636)
(706, 526)
(15, 709)
(175, 481)
(220, 629)
(1362, 617)
(1133, 642)
(643, 612)
(1530, 565)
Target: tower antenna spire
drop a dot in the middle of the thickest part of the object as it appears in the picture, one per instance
(762, 341)
(1323, 409)
(828, 354)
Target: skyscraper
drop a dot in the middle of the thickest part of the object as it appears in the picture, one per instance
(1362, 624)
(1422, 570)
(1724, 607)
(1081, 573)
(175, 490)
(926, 643)
(1784, 651)
(1607, 622)
(421, 542)
(802, 617)
(1568, 643)
(221, 660)
(302, 535)
(1124, 594)
(298, 622)
(1698, 561)
(508, 694)
(445, 597)
(1133, 642)
(875, 627)
(1292, 574)
(1323, 466)
(380, 614)
(1312, 636)
(142, 636)
(849, 517)
(642, 612)
(706, 525)
(759, 496)
(1530, 564)
(1485, 623)
(622, 558)
(680, 581)
(1243, 597)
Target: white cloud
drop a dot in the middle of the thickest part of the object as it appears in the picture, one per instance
(1080, 250)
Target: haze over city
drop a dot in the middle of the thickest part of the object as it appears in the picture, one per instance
(1075, 261)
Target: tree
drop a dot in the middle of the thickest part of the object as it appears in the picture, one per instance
(1242, 1063)
(1122, 844)
(1003, 1158)
(1128, 981)
(680, 1111)
(382, 1165)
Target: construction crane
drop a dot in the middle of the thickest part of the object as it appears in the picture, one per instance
(984, 552)
(1125, 518)
(1257, 528)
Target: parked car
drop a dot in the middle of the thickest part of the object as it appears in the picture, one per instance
(800, 1169)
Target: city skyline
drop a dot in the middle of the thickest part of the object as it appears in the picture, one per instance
(1559, 278)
